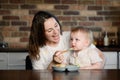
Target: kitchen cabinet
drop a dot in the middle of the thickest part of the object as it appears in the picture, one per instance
(16, 60)
(13, 60)
(119, 60)
(111, 60)
(3, 60)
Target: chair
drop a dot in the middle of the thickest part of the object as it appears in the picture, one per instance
(28, 63)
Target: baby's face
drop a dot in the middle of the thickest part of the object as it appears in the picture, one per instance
(78, 40)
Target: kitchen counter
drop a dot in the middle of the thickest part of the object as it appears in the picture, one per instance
(13, 50)
(102, 48)
(109, 48)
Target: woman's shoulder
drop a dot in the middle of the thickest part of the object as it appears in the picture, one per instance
(66, 33)
(92, 46)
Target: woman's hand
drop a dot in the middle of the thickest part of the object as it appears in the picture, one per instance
(58, 57)
(93, 66)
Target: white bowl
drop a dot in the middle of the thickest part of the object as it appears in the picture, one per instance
(66, 68)
(72, 68)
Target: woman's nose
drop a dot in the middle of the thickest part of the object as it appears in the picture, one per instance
(55, 31)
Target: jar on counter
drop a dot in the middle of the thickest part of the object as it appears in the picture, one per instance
(3, 44)
(106, 39)
(113, 42)
(100, 41)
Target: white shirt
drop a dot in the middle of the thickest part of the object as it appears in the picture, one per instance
(47, 52)
(85, 57)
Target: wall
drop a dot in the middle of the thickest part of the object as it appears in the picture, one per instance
(16, 17)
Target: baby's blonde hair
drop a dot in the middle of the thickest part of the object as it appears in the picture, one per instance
(85, 30)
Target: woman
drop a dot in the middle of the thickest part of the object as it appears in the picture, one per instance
(46, 38)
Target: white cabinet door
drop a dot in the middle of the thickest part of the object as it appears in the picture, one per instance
(111, 60)
(119, 60)
(3, 60)
(16, 60)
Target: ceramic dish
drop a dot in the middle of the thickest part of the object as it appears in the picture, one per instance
(66, 68)
(72, 68)
(55, 68)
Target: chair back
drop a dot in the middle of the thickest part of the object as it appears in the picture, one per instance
(28, 63)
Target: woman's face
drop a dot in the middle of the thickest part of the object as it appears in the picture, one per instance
(52, 31)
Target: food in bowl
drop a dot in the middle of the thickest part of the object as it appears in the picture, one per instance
(60, 65)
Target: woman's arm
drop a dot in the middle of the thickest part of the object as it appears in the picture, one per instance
(102, 57)
(97, 65)
(93, 66)
(51, 64)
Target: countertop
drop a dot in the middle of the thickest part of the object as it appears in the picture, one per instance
(109, 48)
(102, 48)
(13, 50)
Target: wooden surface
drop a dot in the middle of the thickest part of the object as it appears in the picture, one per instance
(51, 75)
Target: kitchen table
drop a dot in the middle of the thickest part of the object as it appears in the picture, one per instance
(103, 74)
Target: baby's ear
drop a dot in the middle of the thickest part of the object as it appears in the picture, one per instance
(87, 42)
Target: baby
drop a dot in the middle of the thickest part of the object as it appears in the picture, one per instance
(83, 55)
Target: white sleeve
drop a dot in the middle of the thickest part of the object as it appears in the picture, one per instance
(43, 62)
(39, 64)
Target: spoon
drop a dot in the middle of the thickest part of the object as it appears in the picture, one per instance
(67, 50)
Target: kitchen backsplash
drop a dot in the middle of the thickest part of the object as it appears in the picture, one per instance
(98, 15)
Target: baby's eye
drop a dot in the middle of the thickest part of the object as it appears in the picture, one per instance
(77, 39)
(71, 39)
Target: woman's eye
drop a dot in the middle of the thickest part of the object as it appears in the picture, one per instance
(49, 30)
(55, 25)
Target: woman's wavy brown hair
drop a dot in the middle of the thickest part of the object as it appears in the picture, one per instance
(37, 34)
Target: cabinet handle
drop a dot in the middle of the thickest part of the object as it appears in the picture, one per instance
(1, 60)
